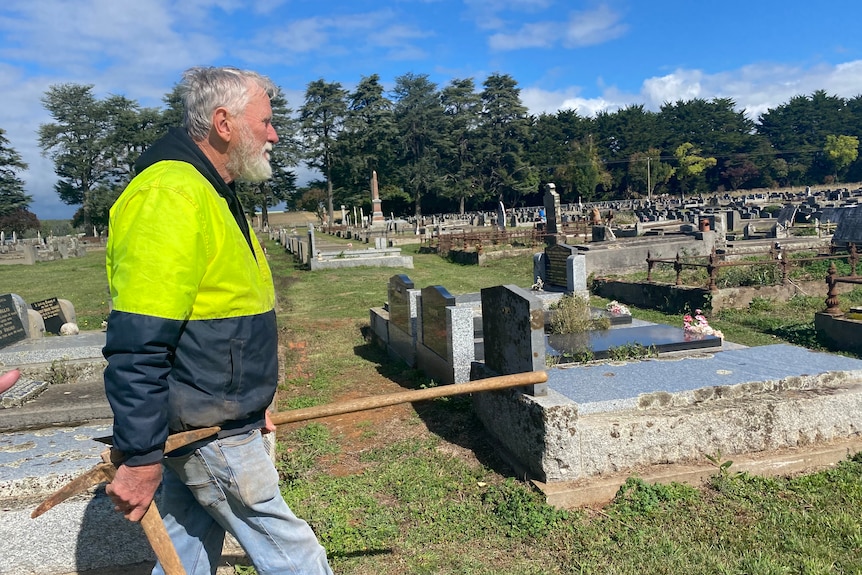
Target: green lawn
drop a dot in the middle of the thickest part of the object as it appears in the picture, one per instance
(427, 494)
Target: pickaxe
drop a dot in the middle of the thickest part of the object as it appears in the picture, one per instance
(154, 528)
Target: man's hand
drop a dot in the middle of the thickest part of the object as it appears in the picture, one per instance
(133, 489)
(269, 426)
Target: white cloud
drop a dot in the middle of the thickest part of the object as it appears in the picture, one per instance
(581, 29)
(540, 101)
(754, 89)
(594, 27)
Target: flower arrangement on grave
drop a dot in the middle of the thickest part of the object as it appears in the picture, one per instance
(616, 308)
(698, 325)
(539, 285)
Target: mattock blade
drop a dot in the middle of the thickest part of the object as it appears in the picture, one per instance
(101, 473)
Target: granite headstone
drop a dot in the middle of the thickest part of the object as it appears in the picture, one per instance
(399, 302)
(11, 326)
(435, 299)
(51, 313)
(513, 328)
(556, 257)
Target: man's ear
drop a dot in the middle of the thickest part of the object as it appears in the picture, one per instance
(222, 124)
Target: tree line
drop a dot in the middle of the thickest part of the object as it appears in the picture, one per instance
(457, 148)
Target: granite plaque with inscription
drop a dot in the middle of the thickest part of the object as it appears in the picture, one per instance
(11, 327)
(556, 257)
(51, 313)
(399, 301)
(435, 336)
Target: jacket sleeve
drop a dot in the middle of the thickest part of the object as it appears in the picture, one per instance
(138, 349)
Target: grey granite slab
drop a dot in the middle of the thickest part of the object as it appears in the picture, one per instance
(87, 345)
(614, 386)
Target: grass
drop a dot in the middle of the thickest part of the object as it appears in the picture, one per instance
(83, 281)
(427, 494)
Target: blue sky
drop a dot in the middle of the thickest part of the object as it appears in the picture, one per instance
(584, 55)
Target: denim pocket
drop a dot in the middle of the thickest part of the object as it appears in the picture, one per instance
(253, 476)
(195, 472)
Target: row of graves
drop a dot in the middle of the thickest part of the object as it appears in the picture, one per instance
(31, 250)
(602, 420)
(318, 255)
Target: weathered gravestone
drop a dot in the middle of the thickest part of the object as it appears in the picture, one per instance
(551, 202)
(11, 326)
(513, 328)
(51, 313)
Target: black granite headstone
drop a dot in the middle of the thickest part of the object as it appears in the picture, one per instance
(51, 313)
(435, 299)
(11, 327)
(399, 301)
(513, 332)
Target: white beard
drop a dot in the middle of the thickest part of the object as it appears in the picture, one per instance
(248, 162)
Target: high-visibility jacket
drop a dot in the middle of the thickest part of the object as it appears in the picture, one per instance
(192, 337)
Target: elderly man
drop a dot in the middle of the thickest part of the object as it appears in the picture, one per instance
(192, 338)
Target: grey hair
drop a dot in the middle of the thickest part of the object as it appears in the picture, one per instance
(205, 88)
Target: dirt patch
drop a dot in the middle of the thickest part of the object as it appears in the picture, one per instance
(451, 419)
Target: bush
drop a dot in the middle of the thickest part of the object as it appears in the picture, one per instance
(571, 314)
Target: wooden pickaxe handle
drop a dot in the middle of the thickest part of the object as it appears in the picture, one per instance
(376, 401)
(154, 527)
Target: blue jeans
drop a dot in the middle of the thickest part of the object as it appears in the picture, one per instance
(231, 485)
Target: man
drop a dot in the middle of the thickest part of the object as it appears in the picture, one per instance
(192, 338)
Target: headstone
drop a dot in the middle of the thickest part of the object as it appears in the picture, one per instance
(576, 275)
(403, 311)
(399, 304)
(11, 326)
(552, 209)
(435, 299)
(540, 268)
(513, 327)
(29, 254)
(556, 257)
(312, 245)
(52, 313)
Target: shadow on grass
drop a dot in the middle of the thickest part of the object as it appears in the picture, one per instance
(450, 418)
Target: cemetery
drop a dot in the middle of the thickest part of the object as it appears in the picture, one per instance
(775, 409)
